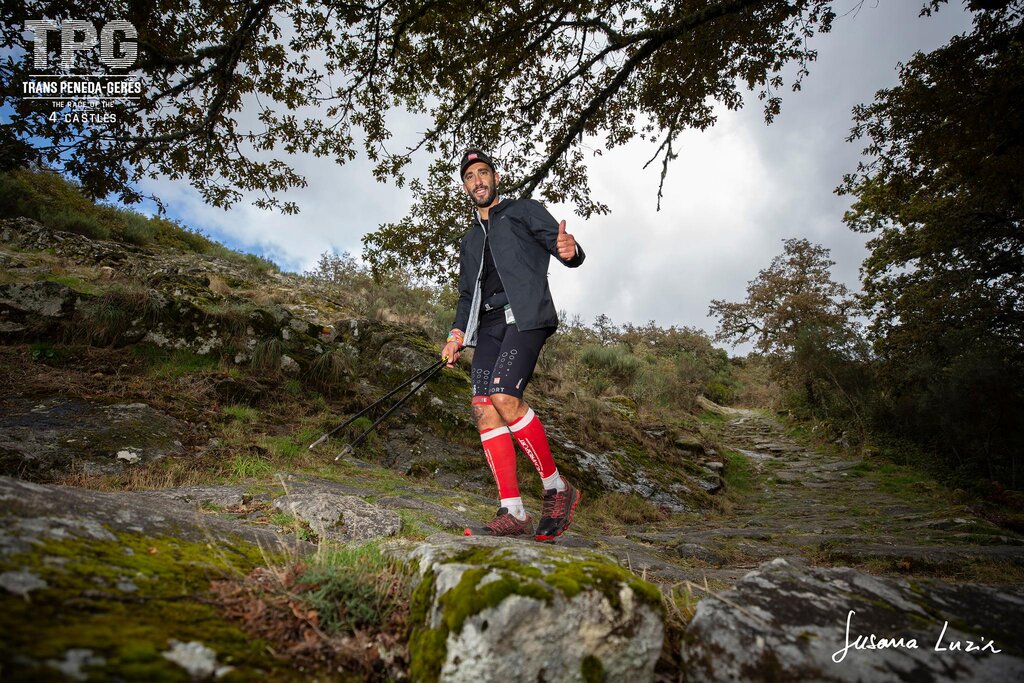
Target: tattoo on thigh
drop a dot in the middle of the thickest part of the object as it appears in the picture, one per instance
(478, 413)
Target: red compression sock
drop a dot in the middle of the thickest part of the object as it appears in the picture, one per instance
(529, 432)
(501, 456)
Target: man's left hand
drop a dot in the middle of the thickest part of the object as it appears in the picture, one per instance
(566, 243)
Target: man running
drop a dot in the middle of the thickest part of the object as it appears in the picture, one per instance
(505, 311)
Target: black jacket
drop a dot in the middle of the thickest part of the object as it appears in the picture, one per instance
(523, 237)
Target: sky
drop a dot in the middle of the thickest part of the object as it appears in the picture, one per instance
(734, 194)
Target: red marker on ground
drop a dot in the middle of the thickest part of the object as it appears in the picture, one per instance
(467, 532)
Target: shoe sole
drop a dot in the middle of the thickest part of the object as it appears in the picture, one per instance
(572, 509)
(482, 530)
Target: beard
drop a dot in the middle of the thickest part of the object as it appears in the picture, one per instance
(488, 198)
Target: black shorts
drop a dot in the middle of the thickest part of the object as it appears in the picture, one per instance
(504, 359)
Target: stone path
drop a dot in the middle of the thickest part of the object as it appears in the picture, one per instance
(824, 510)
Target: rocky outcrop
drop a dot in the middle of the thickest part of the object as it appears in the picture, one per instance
(283, 326)
(498, 609)
(786, 622)
(38, 303)
(341, 518)
(112, 586)
(54, 435)
(34, 512)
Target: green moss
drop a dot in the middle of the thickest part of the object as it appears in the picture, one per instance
(428, 646)
(427, 651)
(572, 578)
(75, 283)
(422, 597)
(591, 669)
(648, 593)
(469, 597)
(244, 414)
(86, 604)
(507, 576)
(496, 558)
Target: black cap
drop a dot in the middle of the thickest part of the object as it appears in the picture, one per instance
(471, 156)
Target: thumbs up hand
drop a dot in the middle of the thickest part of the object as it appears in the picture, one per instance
(566, 243)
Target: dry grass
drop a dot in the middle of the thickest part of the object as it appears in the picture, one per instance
(168, 473)
(266, 296)
(679, 601)
(615, 513)
(217, 285)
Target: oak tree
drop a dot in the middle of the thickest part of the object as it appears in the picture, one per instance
(941, 191)
(231, 89)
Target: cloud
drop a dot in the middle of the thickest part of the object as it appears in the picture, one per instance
(741, 188)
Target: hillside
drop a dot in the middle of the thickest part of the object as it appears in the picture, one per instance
(165, 518)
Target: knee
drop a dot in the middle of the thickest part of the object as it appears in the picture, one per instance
(484, 414)
(507, 406)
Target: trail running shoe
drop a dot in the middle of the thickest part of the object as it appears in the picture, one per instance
(559, 507)
(507, 524)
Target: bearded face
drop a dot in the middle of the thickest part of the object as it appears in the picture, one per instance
(481, 183)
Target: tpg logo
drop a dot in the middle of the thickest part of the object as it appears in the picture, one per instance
(70, 45)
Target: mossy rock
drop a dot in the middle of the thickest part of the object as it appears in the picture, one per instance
(491, 608)
(110, 609)
(689, 443)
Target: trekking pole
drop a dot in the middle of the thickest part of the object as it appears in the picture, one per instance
(435, 369)
(376, 403)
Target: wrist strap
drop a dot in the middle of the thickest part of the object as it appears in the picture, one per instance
(457, 336)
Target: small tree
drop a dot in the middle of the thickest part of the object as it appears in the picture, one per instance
(801, 320)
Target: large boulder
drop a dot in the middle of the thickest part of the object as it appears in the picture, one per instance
(783, 622)
(114, 586)
(500, 609)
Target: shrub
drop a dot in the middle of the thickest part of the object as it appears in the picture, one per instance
(354, 587)
(616, 362)
(71, 220)
(394, 297)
